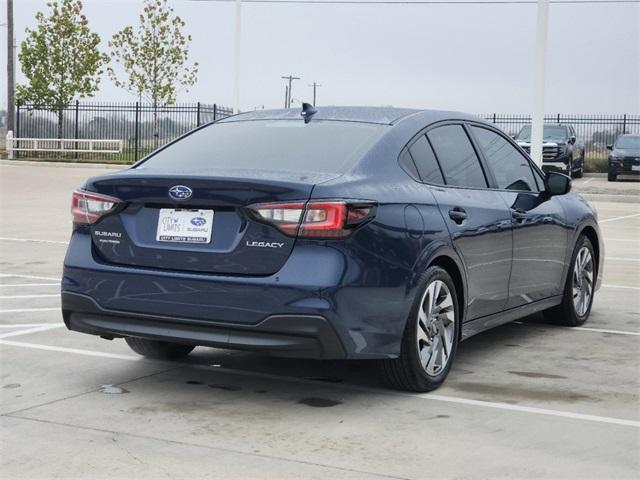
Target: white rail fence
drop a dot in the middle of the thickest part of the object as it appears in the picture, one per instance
(61, 145)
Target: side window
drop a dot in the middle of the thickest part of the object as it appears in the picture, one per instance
(511, 170)
(406, 162)
(458, 159)
(425, 161)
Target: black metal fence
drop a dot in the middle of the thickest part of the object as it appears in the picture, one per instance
(141, 127)
(595, 131)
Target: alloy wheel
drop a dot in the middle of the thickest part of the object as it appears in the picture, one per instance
(436, 328)
(582, 281)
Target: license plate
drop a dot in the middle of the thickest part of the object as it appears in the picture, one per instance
(184, 226)
(635, 168)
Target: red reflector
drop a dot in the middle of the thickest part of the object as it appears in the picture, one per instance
(87, 208)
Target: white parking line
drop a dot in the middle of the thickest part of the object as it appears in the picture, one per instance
(25, 325)
(69, 350)
(48, 295)
(587, 181)
(634, 240)
(429, 396)
(29, 277)
(22, 285)
(26, 310)
(625, 287)
(622, 259)
(36, 240)
(31, 330)
(585, 329)
(604, 330)
(618, 218)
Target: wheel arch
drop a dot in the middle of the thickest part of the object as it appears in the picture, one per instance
(451, 266)
(591, 233)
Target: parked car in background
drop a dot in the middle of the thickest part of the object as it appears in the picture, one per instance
(359, 233)
(624, 156)
(561, 150)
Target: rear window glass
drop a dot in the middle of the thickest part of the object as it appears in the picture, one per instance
(320, 146)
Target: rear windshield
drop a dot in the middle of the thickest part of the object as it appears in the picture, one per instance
(319, 146)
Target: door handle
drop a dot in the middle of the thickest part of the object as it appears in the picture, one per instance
(458, 215)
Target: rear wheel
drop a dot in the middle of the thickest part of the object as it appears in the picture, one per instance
(579, 289)
(157, 349)
(430, 339)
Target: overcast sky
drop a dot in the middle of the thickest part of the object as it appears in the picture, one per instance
(474, 58)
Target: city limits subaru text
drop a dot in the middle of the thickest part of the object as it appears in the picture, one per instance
(342, 233)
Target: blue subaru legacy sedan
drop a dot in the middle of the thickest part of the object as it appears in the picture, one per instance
(345, 233)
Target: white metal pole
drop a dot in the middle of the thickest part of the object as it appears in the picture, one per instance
(236, 80)
(537, 121)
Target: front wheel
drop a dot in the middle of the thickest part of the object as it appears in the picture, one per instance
(580, 171)
(611, 177)
(430, 338)
(579, 288)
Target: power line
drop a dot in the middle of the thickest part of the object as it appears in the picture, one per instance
(426, 2)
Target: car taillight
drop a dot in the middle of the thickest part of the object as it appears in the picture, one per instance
(316, 219)
(87, 208)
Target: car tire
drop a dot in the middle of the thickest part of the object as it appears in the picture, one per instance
(427, 336)
(581, 281)
(157, 349)
(580, 171)
(611, 177)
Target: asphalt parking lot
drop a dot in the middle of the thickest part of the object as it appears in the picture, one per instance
(525, 400)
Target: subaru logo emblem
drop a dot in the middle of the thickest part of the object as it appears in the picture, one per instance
(198, 221)
(180, 192)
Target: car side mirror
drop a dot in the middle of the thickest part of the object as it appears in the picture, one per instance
(609, 147)
(557, 183)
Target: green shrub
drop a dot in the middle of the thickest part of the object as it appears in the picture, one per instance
(596, 163)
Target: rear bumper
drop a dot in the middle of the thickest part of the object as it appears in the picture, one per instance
(321, 304)
(300, 336)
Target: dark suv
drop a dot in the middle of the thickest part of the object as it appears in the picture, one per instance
(624, 156)
(561, 151)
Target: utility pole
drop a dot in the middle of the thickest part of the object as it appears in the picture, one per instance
(286, 95)
(11, 83)
(290, 78)
(315, 86)
(537, 121)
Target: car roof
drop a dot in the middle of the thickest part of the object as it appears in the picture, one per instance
(377, 115)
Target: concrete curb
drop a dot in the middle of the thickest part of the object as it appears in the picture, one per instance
(35, 163)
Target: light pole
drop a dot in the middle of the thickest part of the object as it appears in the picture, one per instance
(236, 80)
(537, 120)
(11, 82)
